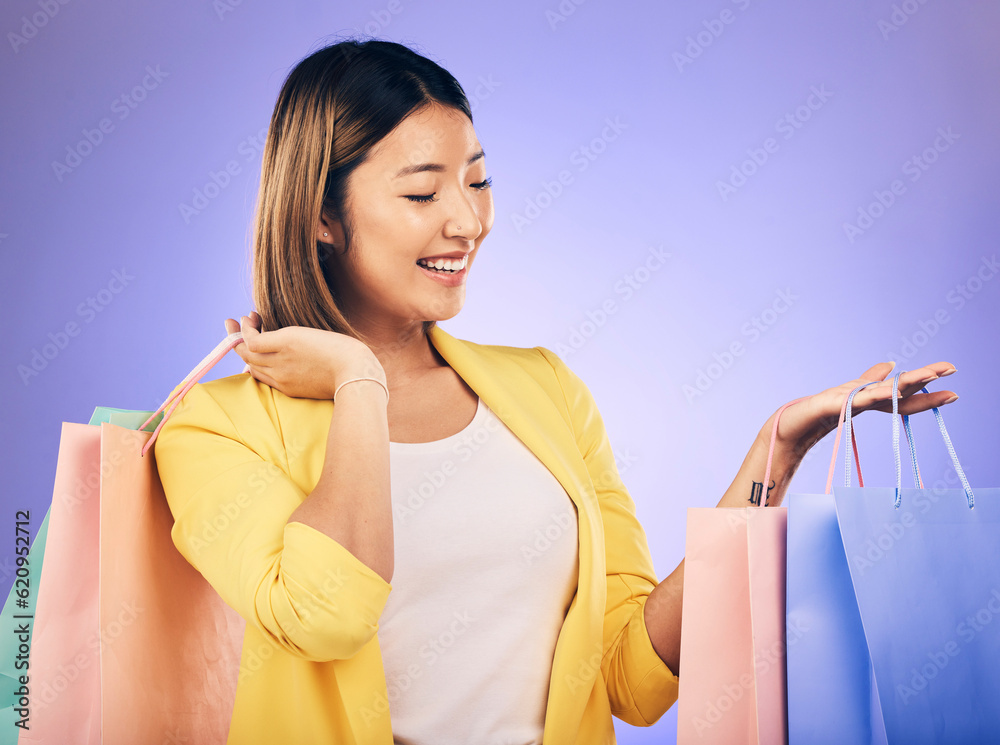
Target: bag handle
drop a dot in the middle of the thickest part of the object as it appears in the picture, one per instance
(190, 380)
(909, 439)
(847, 421)
(846, 413)
(969, 496)
(836, 445)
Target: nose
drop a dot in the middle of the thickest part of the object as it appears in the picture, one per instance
(463, 221)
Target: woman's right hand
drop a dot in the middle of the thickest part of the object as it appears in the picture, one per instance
(303, 362)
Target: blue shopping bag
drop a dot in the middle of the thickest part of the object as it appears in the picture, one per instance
(925, 568)
(832, 698)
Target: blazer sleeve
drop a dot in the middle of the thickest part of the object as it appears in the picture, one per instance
(641, 686)
(302, 589)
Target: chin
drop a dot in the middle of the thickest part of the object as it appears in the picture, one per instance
(443, 313)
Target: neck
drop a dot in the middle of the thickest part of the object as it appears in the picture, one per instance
(404, 353)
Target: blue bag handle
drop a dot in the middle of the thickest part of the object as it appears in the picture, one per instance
(970, 497)
(849, 434)
(918, 482)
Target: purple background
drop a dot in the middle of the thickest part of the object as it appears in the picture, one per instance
(544, 80)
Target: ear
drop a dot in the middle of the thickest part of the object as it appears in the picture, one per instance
(330, 231)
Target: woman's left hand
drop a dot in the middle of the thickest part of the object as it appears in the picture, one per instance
(804, 423)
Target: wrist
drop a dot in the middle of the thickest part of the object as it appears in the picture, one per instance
(364, 365)
(793, 439)
(362, 388)
(785, 458)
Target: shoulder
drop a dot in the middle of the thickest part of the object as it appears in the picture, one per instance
(521, 366)
(240, 408)
(539, 362)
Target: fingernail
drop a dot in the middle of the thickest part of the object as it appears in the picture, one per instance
(951, 399)
(947, 372)
(928, 380)
(893, 366)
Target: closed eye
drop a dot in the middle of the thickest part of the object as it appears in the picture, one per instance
(423, 198)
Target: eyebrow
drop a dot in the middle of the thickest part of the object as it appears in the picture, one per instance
(437, 167)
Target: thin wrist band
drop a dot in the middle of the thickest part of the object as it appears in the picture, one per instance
(355, 379)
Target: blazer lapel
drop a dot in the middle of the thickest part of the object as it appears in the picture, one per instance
(519, 402)
(516, 397)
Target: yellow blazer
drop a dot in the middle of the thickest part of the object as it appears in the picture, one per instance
(237, 457)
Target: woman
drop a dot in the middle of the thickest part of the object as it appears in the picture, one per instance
(476, 482)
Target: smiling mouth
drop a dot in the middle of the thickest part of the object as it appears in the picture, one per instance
(444, 266)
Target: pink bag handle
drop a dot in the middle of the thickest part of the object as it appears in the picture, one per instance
(208, 362)
(836, 445)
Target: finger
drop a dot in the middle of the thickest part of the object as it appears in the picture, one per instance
(910, 382)
(261, 342)
(262, 377)
(877, 372)
(879, 397)
(256, 345)
(919, 402)
(915, 380)
(232, 326)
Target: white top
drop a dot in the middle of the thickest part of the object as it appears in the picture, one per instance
(486, 564)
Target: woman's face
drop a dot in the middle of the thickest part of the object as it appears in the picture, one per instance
(421, 195)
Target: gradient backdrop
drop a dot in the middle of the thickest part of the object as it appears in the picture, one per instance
(819, 180)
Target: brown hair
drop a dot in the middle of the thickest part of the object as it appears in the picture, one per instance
(333, 108)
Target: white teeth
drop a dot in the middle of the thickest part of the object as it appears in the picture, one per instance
(452, 265)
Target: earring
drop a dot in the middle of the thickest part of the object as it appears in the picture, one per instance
(326, 234)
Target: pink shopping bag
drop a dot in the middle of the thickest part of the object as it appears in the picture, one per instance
(732, 680)
(130, 644)
(733, 637)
